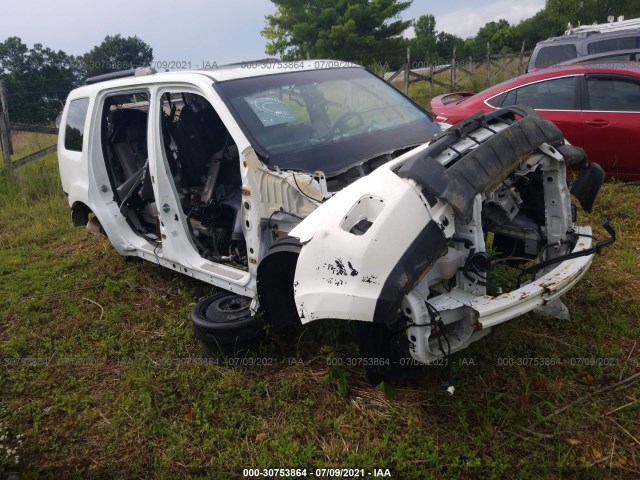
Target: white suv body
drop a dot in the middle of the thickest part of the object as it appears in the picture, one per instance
(313, 192)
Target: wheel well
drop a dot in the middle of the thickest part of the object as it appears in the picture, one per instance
(276, 274)
(80, 214)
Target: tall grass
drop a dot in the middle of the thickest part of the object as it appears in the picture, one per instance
(137, 410)
(38, 180)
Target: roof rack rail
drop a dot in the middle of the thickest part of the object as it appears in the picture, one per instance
(134, 72)
(610, 26)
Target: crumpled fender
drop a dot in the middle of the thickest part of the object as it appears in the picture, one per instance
(367, 247)
(370, 244)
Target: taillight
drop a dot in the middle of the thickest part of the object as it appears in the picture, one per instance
(440, 119)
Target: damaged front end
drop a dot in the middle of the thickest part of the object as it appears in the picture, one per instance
(412, 245)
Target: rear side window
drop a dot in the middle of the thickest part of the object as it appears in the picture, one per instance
(496, 101)
(74, 131)
(613, 94)
(612, 44)
(548, 56)
(556, 94)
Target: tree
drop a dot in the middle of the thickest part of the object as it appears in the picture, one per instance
(446, 43)
(499, 35)
(37, 79)
(354, 30)
(423, 46)
(541, 26)
(586, 12)
(117, 53)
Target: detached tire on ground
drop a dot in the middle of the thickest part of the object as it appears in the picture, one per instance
(223, 323)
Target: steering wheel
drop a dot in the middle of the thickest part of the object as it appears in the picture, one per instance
(342, 121)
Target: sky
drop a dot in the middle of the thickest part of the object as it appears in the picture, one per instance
(206, 32)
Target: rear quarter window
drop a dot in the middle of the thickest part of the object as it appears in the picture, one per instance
(612, 44)
(555, 94)
(552, 55)
(496, 101)
(74, 129)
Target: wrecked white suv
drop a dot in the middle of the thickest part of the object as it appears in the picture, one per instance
(307, 192)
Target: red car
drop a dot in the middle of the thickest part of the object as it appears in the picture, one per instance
(597, 107)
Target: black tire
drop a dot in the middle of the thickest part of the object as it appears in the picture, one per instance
(388, 343)
(223, 323)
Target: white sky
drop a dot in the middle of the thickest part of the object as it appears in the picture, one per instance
(206, 30)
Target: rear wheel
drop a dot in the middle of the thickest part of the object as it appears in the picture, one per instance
(223, 323)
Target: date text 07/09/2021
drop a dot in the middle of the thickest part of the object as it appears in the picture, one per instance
(316, 472)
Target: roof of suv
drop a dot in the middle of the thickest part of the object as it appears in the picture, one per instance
(222, 73)
(580, 37)
(258, 68)
(581, 43)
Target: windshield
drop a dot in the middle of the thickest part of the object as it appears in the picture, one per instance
(325, 120)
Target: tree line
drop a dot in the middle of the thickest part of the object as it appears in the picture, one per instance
(502, 37)
(38, 79)
(370, 32)
(367, 32)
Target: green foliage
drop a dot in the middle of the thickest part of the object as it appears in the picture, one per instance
(447, 43)
(423, 46)
(338, 375)
(37, 80)
(588, 11)
(498, 35)
(430, 46)
(549, 22)
(541, 26)
(117, 53)
(136, 407)
(353, 30)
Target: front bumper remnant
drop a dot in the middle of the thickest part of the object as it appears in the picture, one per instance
(404, 247)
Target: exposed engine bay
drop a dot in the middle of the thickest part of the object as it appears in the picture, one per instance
(323, 193)
(407, 241)
(411, 247)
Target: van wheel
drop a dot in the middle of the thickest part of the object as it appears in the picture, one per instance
(223, 323)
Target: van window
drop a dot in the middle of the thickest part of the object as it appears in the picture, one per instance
(611, 44)
(613, 94)
(556, 94)
(548, 56)
(74, 131)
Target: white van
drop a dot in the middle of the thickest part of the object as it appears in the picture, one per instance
(315, 190)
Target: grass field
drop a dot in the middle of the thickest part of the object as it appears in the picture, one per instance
(101, 376)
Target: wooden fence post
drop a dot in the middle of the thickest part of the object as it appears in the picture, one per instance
(453, 70)
(5, 109)
(431, 76)
(520, 60)
(488, 65)
(406, 72)
(4, 142)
